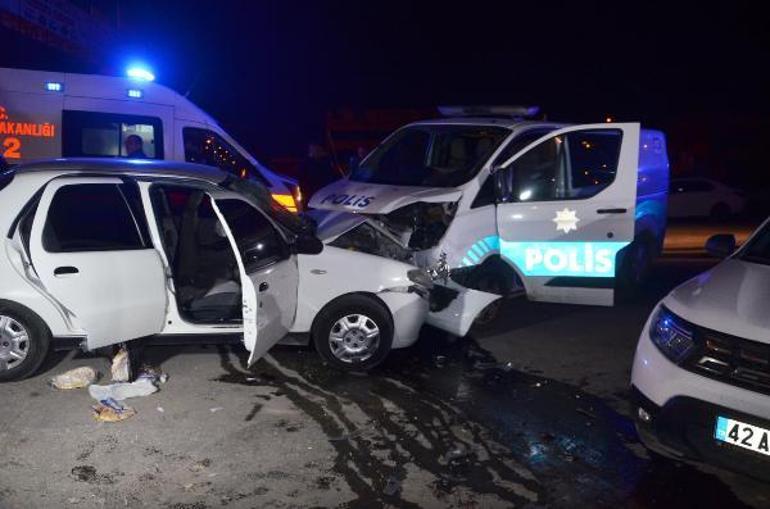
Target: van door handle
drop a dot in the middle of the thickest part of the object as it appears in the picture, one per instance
(263, 287)
(65, 271)
(612, 211)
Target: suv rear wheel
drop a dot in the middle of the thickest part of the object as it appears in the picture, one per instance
(24, 342)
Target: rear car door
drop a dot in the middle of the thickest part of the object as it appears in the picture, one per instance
(566, 206)
(269, 267)
(90, 248)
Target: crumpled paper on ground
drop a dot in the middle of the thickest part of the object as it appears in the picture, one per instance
(110, 410)
(74, 379)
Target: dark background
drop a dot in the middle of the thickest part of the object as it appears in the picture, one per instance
(269, 70)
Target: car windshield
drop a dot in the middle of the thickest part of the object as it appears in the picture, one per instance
(758, 249)
(260, 197)
(431, 155)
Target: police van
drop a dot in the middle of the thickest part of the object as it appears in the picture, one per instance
(563, 213)
(49, 115)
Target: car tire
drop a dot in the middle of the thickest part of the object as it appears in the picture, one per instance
(356, 348)
(15, 320)
(720, 212)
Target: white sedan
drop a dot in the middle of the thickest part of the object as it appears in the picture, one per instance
(106, 251)
(702, 197)
(701, 375)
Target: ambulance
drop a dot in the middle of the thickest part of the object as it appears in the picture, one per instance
(561, 213)
(47, 115)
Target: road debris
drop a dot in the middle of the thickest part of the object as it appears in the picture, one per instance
(123, 391)
(74, 379)
(215, 409)
(152, 373)
(121, 367)
(110, 410)
(392, 487)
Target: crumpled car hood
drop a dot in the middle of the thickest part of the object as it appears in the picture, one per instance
(731, 298)
(332, 224)
(368, 198)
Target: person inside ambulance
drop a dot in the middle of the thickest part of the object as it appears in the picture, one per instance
(135, 147)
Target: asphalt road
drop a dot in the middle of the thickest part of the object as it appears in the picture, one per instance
(530, 414)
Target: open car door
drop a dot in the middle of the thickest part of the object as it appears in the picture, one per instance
(268, 273)
(565, 208)
(90, 248)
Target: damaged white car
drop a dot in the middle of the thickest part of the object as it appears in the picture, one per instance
(99, 252)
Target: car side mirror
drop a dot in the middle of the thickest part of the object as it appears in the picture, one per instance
(308, 244)
(721, 245)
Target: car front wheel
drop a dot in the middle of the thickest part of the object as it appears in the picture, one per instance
(353, 333)
(24, 342)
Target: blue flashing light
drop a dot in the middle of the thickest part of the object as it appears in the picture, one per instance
(54, 86)
(135, 93)
(140, 73)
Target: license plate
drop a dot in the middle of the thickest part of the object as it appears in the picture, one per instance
(743, 435)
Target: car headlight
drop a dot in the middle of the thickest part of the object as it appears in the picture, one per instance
(674, 336)
(420, 277)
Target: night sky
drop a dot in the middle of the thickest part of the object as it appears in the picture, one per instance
(268, 70)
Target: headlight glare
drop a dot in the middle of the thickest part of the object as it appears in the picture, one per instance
(672, 335)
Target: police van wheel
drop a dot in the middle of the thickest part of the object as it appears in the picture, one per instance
(24, 342)
(353, 333)
(636, 266)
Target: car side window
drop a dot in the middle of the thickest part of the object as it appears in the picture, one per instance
(259, 242)
(519, 142)
(203, 146)
(572, 166)
(91, 217)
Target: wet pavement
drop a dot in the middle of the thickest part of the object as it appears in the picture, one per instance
(500, 419)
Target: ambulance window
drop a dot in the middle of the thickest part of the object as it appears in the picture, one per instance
(207, 147)
(92, 134)
(573, 166)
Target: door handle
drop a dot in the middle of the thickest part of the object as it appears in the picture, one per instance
(263, 287)
(612, 211)
(65, 271)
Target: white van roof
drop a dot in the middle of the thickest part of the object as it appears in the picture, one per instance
(101, 87)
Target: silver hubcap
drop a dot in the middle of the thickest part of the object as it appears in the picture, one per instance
(354, 338)
(14, 343)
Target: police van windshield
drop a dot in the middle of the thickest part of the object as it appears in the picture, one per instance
(431, 155)
(758, 251)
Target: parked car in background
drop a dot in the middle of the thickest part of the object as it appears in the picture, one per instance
(101, 251)
(701, 374)
(702, 197)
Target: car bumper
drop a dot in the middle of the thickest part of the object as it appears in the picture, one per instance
(682, 408)
(684, 428)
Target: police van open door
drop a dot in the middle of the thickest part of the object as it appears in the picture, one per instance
(566, 206)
